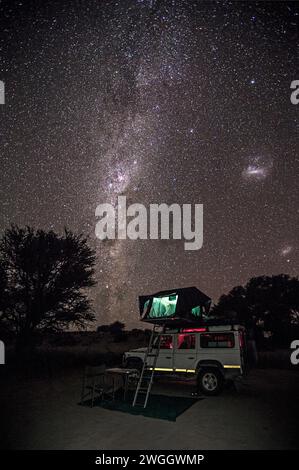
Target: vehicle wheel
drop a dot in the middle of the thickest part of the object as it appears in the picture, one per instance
(210, 381)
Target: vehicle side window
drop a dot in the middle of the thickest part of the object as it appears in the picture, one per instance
(166, 342)
(186, 341)
(217, 340)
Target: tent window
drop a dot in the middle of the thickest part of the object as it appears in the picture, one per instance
(163, 306)
(145, 306)
(196, 311)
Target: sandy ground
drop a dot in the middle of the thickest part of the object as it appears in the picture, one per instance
(261, 414)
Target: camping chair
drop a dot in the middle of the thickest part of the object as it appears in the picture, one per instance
(133, 379)
(93, 383)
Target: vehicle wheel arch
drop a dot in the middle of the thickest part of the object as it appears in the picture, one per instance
(135, 361)
(208, 363)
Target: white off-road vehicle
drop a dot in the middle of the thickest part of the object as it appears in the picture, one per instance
(212, 354)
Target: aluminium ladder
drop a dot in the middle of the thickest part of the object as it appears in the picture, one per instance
(146, 378)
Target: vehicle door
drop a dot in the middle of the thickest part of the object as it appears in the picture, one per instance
(185, 352)
(165, 358)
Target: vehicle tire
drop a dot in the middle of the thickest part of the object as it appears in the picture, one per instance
(210, 381)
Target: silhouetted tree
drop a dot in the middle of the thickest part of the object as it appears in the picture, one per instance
(116, 328)
(270, 301)
(103, 328)
(4, 301)
(42, 278)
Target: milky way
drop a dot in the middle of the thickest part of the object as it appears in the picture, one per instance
(160, 101)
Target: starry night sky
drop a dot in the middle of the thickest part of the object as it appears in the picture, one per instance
(162, 101)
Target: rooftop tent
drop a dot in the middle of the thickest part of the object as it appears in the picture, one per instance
(175, 306)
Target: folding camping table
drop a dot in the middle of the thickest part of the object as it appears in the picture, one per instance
(125, 374)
